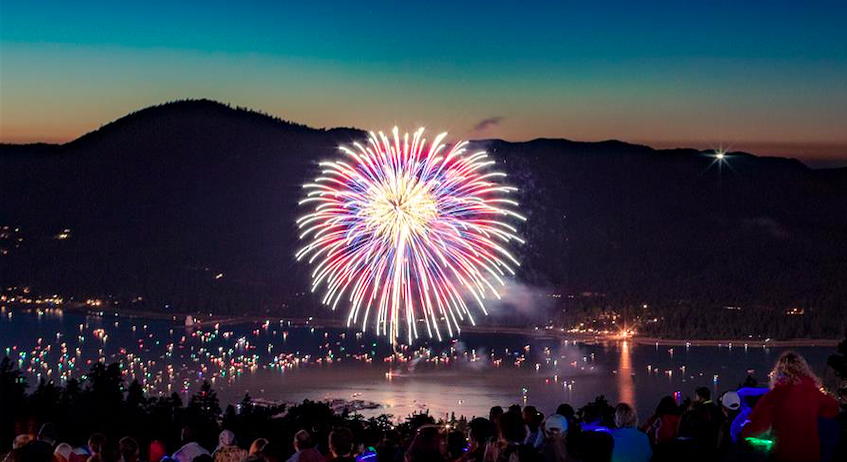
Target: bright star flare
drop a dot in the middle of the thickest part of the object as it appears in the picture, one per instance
(402, 232)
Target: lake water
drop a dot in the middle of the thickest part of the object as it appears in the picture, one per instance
(274, 361)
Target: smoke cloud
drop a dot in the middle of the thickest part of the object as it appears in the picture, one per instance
(486, 124)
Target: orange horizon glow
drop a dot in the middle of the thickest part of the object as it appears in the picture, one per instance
(59, 132)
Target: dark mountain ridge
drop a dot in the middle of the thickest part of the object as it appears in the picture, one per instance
(161, 202)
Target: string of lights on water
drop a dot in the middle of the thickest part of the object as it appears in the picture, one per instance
(276, 361)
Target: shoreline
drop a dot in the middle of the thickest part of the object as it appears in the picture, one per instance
(526, 331)
(738, 343)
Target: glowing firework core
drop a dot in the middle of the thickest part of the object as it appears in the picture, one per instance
(408, 232)
(405, 205)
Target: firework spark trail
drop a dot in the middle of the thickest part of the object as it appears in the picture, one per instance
(401, 230)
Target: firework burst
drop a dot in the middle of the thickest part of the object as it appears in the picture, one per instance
(402, 232)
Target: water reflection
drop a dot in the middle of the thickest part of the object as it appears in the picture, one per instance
(626, 385)
(280, 362)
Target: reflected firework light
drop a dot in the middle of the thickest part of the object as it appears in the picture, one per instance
(404, 232)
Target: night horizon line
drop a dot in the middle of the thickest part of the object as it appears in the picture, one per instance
(823, 160)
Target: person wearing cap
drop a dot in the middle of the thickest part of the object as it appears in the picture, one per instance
(730, 406)
(748, 397)
(730, 401)
(554, 448)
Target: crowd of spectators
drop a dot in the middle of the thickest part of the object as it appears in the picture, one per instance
(792, 420)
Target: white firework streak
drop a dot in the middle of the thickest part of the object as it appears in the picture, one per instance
(403, 231)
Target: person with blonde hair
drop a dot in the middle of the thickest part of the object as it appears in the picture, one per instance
(257, 448)
(791, 409)
(631, 444)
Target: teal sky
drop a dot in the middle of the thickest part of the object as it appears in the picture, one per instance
(770, 77)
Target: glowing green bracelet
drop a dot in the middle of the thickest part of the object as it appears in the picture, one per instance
(760, 443)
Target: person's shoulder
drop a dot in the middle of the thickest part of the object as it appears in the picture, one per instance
(228, 451)
(619, 433)
(628, 432)
(829, 406)
(41, 444)
(191, 447)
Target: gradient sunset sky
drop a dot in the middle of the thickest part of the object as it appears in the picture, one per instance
(763, 76)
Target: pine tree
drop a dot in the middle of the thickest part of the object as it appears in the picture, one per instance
(135, 399)
(205, 402)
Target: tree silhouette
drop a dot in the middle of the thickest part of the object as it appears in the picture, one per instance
(12, 393)
(205, 402)
(838, 362)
